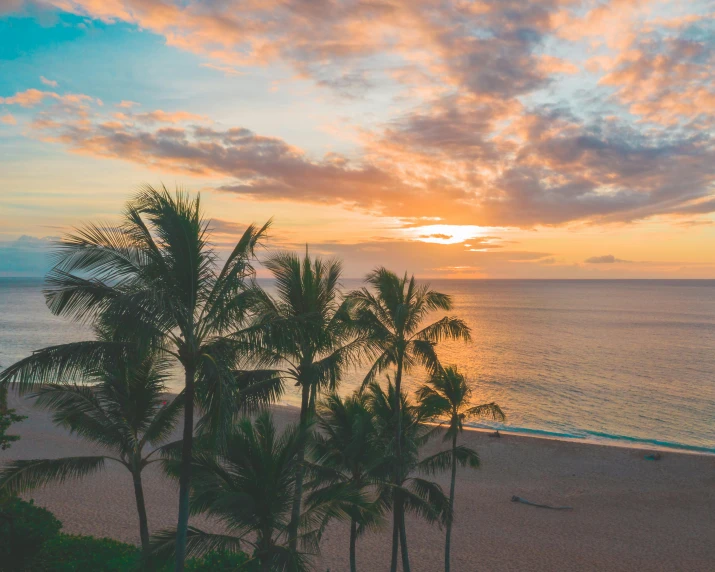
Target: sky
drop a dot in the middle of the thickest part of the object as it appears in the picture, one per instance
(449, 139)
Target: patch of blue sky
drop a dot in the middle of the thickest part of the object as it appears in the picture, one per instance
(318, 117)
(115, 62)
(578, 93)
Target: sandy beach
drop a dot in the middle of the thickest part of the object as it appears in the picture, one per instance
(628, 513)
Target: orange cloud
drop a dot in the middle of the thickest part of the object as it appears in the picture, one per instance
(28, 98)
(159, 116)
(8, 119)
(34, 97)
(480, 142)
(486, 163)
(666, 81)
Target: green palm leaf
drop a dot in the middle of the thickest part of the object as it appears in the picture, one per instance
(21, 476)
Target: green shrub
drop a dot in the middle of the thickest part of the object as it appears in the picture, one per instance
(69, 553)
(220, 562)
(24, 529)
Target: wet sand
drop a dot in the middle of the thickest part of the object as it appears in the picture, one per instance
(628, 513)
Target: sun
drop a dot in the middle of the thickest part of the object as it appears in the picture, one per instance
(445, 233)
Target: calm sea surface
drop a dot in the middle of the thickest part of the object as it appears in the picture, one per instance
(621, 361)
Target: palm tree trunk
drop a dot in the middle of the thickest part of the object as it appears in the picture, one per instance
(265, 559)
(403, 542)
(397, 505)
(141, 510)
(298, 494)
(3, 398)
(353, 542)
(185, 471)
(448, 540)
(395, 540)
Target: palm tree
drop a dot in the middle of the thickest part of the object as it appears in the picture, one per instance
(305, 332)
(392, 316)
(124, 410)
(154, 279)
(346, 457)
(412, 494)
(448, 395)
(7, 418)
(249, 487)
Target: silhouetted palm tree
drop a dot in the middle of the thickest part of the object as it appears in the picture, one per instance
(7, 418)
(413, 494)
(391, 313)
(346, 458)
(125, 411)
(448, 395)
(154, 280)
(306, 333)
(249, 487)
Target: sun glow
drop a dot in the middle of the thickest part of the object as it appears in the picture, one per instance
(446, 233)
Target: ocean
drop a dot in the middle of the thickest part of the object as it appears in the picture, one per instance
(613, 361)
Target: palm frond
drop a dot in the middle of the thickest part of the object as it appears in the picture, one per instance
(21, 476)
(163, 543)
(67, 363)
(488, 410)
(163, 422)
(435, 504)
(442, 461)
(448, 328)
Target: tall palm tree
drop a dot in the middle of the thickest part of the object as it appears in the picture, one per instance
(448, 395)
(412, 494)
(307, 334)
(248, 486)
(125, 410)
(155, 280)
(346, 457)
(392, 315)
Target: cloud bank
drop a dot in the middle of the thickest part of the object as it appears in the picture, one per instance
(508, 113)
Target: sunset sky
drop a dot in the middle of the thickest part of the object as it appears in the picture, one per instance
(504, 139)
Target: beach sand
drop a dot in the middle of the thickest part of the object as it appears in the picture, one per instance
(628, 513)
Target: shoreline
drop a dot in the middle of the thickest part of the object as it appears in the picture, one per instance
(621, 442)
(617, 441)
(624, 442)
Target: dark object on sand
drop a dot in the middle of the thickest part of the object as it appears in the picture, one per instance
(524, 501)
(495, 434)
(653, 457)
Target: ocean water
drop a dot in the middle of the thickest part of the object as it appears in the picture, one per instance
(623, 362)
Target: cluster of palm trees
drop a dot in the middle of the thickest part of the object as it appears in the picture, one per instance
(153, 290)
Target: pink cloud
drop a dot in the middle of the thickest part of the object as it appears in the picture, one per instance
(666, 81)
(34, 97)
(473, 147)
(28, 98)
(494, 164)
(159, 116)
(8, 119)
(49, 82)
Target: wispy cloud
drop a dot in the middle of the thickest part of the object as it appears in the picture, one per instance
(605, 259)
(50, 82)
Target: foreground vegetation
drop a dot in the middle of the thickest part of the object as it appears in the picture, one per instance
(154, 292)
(31, 540)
